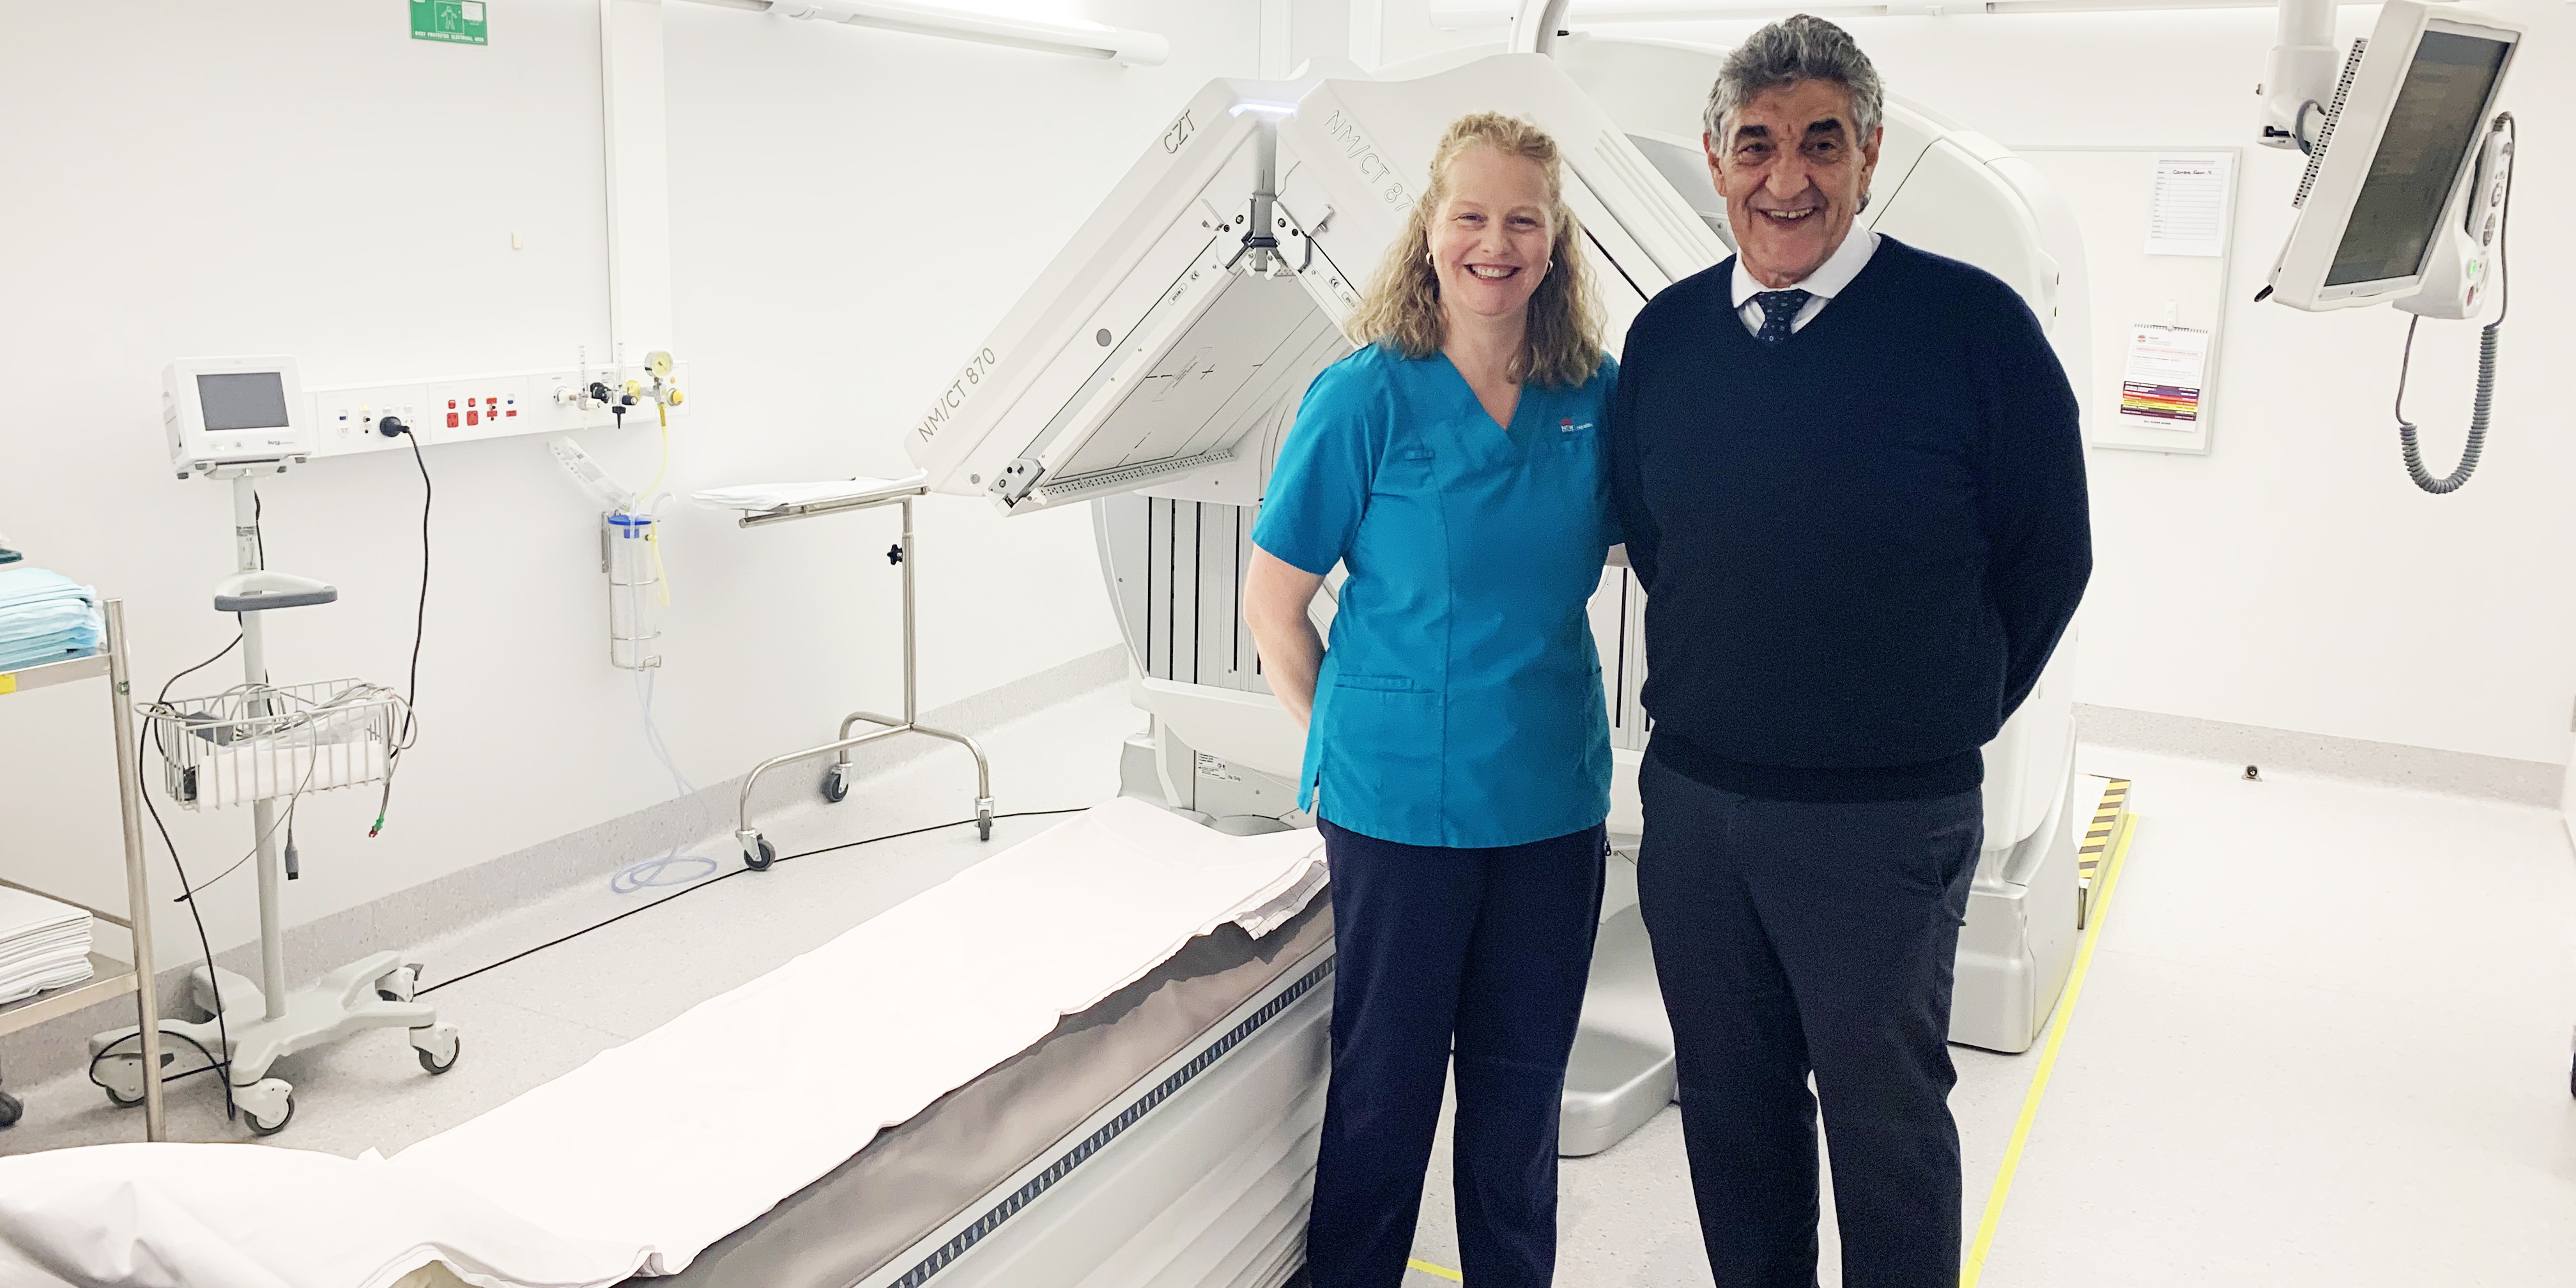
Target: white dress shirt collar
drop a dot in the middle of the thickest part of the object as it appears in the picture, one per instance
(1830, 277)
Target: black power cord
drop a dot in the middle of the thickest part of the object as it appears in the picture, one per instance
(209, 1066)
(188, 895)
(390, 427)
(687, 890)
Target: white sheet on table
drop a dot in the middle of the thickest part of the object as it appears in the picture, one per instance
(249, 1216)
(653, 1150)
(750, 1096)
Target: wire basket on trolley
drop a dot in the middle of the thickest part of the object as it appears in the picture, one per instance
(259, 742)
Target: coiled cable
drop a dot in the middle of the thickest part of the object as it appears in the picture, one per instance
(2407, 446)
(2478, 408)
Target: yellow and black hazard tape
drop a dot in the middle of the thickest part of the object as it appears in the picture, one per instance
(2098, 837)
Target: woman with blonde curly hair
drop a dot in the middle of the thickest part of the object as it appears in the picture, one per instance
(1458, 751)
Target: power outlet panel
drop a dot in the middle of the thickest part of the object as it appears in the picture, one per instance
(468, 408)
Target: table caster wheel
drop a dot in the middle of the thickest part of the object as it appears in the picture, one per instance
(836, 784)
(268, 1105)
(437, 1045)
(11, 1109)
(983, 827)
(759, 855)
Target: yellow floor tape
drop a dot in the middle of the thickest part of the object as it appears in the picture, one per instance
(1442, 1272)
(1985, 1240)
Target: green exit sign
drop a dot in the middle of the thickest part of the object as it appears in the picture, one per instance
(458, 22)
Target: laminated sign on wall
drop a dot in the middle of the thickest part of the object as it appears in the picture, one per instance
(2162, 378)
(2187, 210)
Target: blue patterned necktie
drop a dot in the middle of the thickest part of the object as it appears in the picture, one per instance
(1779, 309)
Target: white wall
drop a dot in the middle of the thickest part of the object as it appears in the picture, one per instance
(2294, 578)
(853, 210)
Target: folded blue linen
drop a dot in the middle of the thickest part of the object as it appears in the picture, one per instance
(52, 648)
(23, 585)
(36, 621)
(45, 617)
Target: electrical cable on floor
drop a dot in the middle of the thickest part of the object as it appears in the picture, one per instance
(419, 629)
(209, 1066)
(685, 890)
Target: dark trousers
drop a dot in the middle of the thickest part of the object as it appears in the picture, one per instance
(1794, 938)
(1484, 949)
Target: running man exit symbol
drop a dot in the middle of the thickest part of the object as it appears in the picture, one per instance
(457, 22)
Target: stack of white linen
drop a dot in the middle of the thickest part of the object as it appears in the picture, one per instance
(43, 944)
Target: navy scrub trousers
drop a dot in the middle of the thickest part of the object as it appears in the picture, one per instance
(1493, 946)
(1799, 937)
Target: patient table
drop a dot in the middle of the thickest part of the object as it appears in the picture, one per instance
(1096, 1058)
(1169, 1129)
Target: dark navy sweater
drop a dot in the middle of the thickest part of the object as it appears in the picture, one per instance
(1860, 545)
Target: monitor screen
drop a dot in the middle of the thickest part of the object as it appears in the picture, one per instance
(243, 400)
(2430, 129)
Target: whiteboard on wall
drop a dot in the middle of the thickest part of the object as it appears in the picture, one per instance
(2159, 223)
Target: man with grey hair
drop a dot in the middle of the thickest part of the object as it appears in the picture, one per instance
(1851, 482)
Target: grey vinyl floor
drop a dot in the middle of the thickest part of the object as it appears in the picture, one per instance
(2324, 1039)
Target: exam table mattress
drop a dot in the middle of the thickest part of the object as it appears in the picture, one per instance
(875, 1219)
(916, 1024)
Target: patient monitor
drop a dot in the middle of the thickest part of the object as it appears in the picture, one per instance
(1157, 362)
(221, 412)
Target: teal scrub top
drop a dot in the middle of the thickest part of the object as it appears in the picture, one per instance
(1460, 699)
